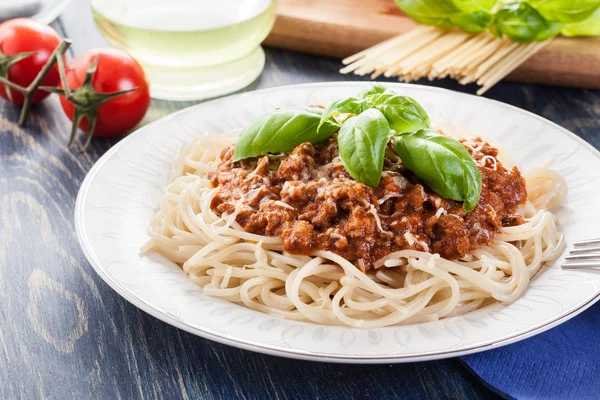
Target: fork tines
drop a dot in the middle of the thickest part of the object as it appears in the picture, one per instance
(584, 255)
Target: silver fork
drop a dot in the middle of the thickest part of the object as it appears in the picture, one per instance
(585, 255)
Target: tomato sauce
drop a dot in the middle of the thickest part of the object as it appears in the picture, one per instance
(307, 198)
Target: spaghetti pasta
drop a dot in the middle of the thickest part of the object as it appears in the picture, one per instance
(434, 53)
(405, 286)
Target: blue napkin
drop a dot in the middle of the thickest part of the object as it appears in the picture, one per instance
(562, 363)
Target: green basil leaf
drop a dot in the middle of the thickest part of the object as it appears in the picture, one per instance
(474, 5)
(362, 141)
(520, 22)
(429, 12)
(568, 11)
(589, 27)
(375, 88)
(495, 30)
(552, 29)
(281, 131)
(472, 22)
(443, 164)
(403, 113)
(350, 105)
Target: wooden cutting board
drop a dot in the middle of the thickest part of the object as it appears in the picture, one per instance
(339, 28)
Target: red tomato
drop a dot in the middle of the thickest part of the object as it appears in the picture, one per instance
(23, 35)
(116, 71)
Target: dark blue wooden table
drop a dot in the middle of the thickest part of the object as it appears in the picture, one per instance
(65, 334)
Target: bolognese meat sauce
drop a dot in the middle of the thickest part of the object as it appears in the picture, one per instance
(307, 198)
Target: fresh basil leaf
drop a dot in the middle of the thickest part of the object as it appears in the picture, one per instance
(474, 5)
(375, 88)
(362, 141)
(588, 27)
(350, 105)
(495, 30)
(443, 164)
(552, 29)
(429, 12)
(281, 131)
(520, 22)
(403, 113)
(568, 11)
(472, 22)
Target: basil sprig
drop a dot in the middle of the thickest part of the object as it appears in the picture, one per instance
(375, 88)
(377, 115)
(567, 11)
(281, 131)
(443, 164)
(361, 142)
(351, 105)
(588, 27)
(404, 114)
(521, 21)
(475, 5)
(429, 12)
(472, 22)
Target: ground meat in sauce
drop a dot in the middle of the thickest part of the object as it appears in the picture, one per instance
(308, 199)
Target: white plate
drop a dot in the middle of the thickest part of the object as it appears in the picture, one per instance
(119, 197)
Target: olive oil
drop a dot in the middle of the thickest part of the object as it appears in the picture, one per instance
(190, 49)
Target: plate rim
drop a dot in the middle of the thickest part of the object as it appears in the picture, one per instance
(295, 353)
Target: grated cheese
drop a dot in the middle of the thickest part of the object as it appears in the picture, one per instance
(409, 238)
(493, 161)
(492, 212)
(389, 196)
(283, 204)
(373, 211)
(423, 245)
(400, 181)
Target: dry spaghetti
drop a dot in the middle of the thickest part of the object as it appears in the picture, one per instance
(434, 53)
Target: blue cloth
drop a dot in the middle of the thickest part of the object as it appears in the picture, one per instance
(562, 363)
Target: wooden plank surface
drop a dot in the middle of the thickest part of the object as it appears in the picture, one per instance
(339, 28)
(336, 28)
(64, 334)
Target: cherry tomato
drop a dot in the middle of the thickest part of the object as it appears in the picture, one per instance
(116, 71)
(24, 35)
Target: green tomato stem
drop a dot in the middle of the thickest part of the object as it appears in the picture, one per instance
(5, 64)
(29, 91)
(77, 116)
(86, 99)
(91, 125)
(11, 85)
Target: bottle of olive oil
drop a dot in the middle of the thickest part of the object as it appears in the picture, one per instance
(190, 49)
